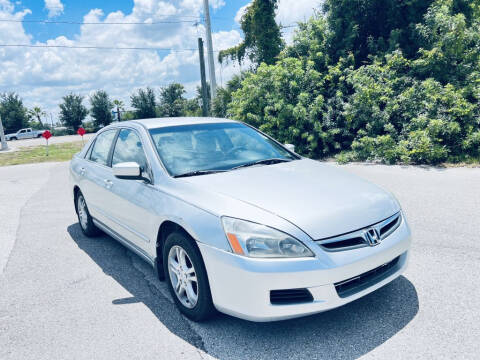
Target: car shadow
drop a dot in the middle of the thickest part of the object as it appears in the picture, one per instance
(344, 333)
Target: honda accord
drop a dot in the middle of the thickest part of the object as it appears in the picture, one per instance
(234, 221)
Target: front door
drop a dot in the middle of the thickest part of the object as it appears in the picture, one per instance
(132, 201)
(22, 134)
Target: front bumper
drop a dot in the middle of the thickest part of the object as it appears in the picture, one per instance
(241, 286)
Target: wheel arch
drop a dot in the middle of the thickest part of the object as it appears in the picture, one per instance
(166, 228)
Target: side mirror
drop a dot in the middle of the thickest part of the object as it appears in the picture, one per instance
(290, 147)
(127, 171)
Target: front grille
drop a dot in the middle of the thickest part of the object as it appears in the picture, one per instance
(347, 243)
(363, 281)
(360, 238)
(290, 296)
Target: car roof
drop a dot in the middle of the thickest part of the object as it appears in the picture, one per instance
(175, 121)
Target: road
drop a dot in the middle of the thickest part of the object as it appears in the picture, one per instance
(17, 144)
(66, 296)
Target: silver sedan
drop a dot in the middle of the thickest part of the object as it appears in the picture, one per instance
(235, 221)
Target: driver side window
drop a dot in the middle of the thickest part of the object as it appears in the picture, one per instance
(129, 149)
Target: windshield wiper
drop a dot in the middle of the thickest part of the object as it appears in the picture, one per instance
(198, 172)
(264, 162)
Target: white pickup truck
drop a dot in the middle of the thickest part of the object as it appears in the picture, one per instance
(27, 133)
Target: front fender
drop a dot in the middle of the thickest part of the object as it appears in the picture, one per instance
(200, 224)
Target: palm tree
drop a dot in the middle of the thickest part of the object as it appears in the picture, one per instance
(37, 112)
(119, 106)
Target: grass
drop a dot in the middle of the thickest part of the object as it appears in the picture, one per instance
(37, 154)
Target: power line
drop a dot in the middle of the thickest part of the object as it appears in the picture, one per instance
(193, 19)
(100, 23)
(95, 47)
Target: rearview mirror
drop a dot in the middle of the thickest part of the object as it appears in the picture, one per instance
(290, 147)
(127, 171)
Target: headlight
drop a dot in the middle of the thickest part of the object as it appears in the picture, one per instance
(255, 240)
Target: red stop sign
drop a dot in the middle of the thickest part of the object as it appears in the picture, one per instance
(81, 131)
(47, 134)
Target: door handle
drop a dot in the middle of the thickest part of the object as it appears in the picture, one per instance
(108, 183)
(82, 171)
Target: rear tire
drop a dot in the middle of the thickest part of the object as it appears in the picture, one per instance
(182, 262)
(84, 218)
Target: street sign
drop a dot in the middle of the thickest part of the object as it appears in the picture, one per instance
(81, 131)
(47, 134)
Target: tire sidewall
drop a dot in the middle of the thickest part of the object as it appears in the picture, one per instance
(204, 307)
(91, 229)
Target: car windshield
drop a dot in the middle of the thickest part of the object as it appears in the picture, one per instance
(202, 148)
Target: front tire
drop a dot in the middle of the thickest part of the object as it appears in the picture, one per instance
(84, 218)
(187, 277)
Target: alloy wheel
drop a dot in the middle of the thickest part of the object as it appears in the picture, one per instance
(82, 212)
(183, 276)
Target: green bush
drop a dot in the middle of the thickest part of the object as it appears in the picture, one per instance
(419, 108)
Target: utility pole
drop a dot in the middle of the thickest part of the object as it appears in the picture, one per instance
(2, 137)
(211, 63)
(202, 76)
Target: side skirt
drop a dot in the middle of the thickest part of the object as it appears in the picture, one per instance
(127, 243)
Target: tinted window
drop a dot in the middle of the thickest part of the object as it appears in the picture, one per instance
(219, 146)
(129, 149)
(101, 148)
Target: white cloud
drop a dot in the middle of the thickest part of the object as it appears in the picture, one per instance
(292, 11)
(240, 13)
(54, 7)
(42, 76)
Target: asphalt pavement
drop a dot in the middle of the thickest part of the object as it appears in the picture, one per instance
(65, 296)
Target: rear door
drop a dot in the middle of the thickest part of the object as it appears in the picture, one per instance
(97, 176)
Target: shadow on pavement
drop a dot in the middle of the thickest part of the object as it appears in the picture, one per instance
(344, 333)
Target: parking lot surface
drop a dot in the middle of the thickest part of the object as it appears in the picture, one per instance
(65, 296)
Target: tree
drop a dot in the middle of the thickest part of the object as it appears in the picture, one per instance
(118, 104)
(144, 103)
(72, 111)
(37, 112)
(418, 107)
(224, 95)
(101, 110)
(450, 50)
(368, 27)
(14, 114)
(263, 41)
(172, 102)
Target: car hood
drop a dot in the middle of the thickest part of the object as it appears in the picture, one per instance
(321, 199)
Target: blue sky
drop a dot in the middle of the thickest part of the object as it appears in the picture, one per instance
(43, 75)
(74, 10)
